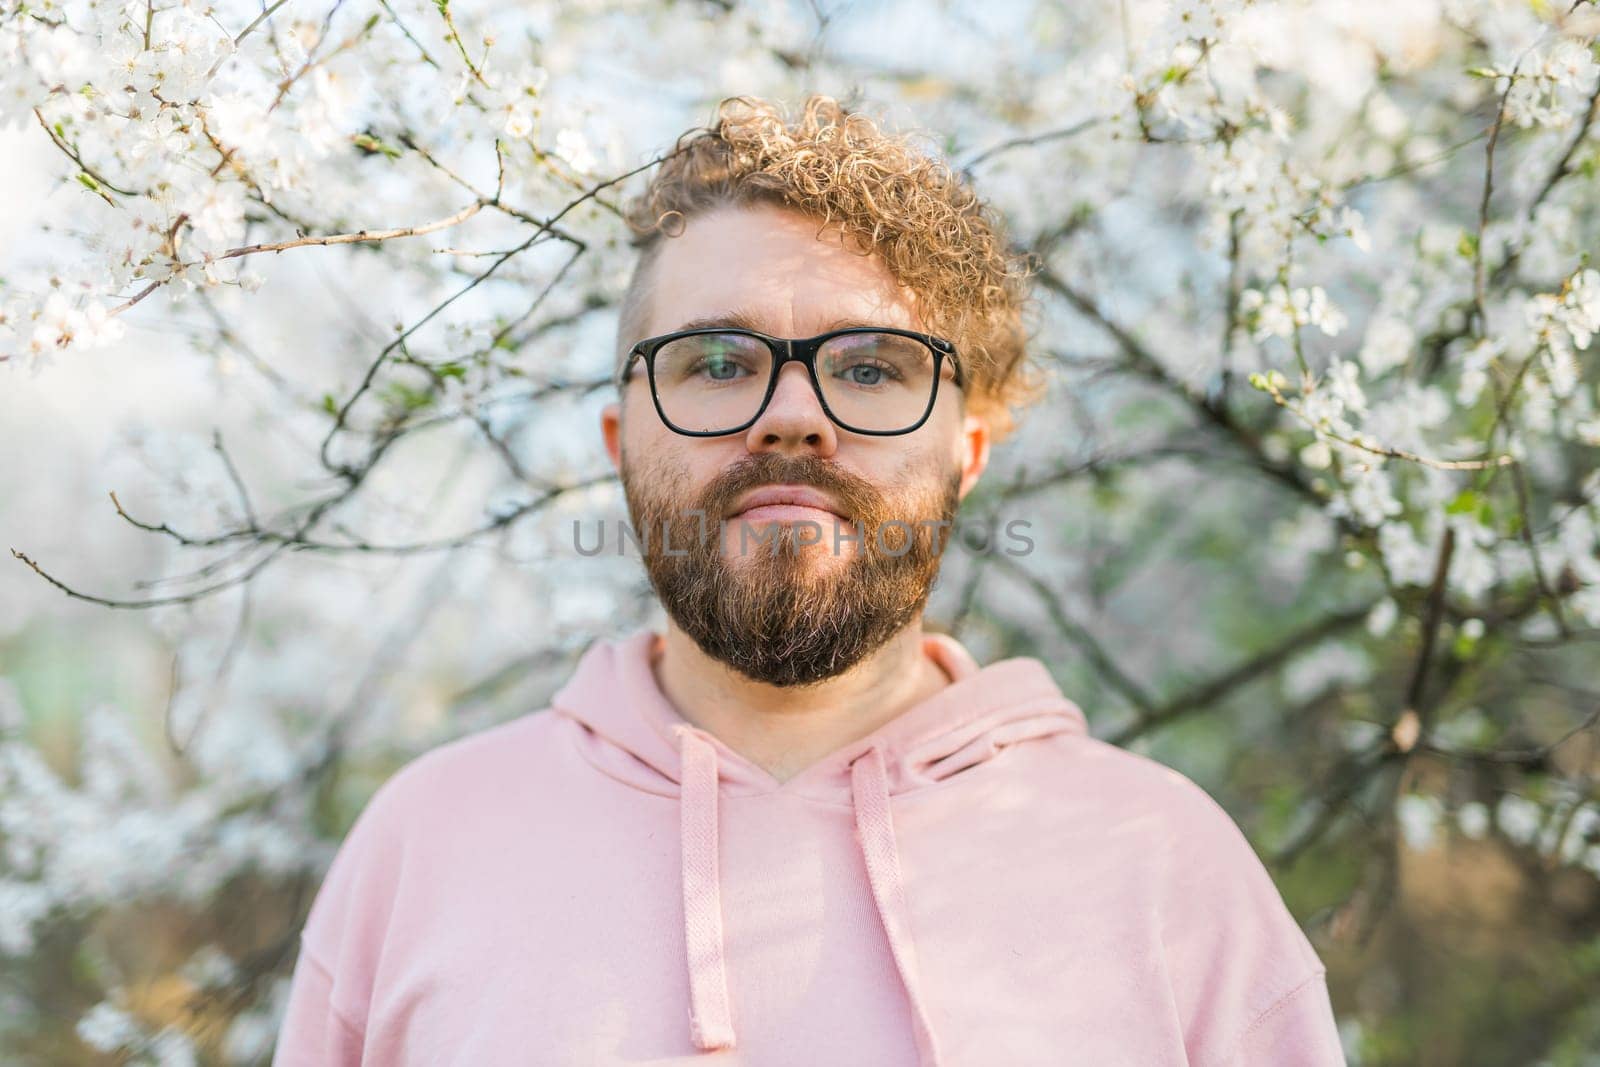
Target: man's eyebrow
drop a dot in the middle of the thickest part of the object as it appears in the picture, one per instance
(740, 319)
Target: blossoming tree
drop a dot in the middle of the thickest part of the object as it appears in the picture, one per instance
(1317, 304)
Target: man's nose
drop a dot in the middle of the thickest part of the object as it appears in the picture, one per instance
(794, 419)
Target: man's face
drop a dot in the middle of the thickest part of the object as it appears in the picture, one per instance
(781, 593)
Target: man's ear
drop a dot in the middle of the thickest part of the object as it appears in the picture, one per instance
(611, 431)
(973, 450)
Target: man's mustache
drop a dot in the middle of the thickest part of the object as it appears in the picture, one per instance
(848, 495)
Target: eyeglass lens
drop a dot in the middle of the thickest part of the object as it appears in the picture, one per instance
(870, 381)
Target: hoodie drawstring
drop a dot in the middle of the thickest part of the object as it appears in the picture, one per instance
(869, 792)
(710, 1014)
(710, 1020)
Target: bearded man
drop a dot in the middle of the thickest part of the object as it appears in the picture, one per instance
(796, 827)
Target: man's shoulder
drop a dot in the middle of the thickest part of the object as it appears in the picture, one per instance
(1092, 774)
(1156, 819)
(1213, 894)
(478, 766)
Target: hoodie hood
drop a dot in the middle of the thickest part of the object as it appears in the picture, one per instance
(638, 737)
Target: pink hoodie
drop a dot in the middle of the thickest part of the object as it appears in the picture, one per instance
(977, 882)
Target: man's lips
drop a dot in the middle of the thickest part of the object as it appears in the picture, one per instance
(785, 502)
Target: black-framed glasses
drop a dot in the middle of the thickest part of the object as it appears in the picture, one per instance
(713, 381)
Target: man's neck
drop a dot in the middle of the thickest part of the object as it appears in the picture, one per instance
(784, 731)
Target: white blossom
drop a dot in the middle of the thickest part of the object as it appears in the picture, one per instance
(1519, 818)
(1545, 89)
(107, 1027)
(1419, 816)
(574, 148)
(1330, 663)
(1381, 619)
(1388, 345)
(1408, 560)
(1475, 363)
(1368, 496)
(1473, 818)
(1279, 311)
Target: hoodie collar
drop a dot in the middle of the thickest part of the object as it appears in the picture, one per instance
(633, 728)
(636, 735)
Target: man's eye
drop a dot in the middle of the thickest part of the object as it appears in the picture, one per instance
(869, 374)
(719, 368)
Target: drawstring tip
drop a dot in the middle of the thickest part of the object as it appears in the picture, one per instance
(711, 1038)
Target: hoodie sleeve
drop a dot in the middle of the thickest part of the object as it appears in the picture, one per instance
(331, 989)
(1249, 987)
(314, 1030)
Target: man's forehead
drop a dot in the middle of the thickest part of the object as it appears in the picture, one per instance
(771, 270)
(747, 318)
(795, 306)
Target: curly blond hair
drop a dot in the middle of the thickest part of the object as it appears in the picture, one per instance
(934, 234)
